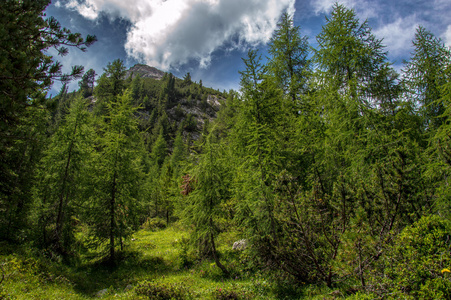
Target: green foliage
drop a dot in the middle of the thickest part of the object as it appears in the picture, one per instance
(161, 291)
(26, 73)
(349, 55)
(438, 168)
(425, 73)
(416, 267)
(333, 173)
(87, 83)
(61, 176)
(289, 65)
(210, 179)
(154, 224)
(224, 294)
(113, 203)
(178, 153)
(159, 149)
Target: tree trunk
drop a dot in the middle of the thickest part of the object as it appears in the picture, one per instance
(215, 256)
(112, 222)
(60, 215)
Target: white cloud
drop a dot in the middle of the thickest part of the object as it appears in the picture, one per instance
(447, 36)
(169, 33)
(91, 9)
(398, 35)
(364, 9)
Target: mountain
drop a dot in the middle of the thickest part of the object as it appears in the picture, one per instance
(172, 103)
(144, 71)
(165, 103)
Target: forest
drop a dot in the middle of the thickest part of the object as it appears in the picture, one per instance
(326, 176)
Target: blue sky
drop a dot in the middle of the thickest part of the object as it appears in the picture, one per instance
(208, 38)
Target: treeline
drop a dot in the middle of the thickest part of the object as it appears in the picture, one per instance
(332, 165)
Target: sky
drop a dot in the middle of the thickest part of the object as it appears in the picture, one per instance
(208, 38)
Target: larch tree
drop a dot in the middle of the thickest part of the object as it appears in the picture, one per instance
(258, 140)
(424, 75)
(211, 179)
(117, 175)
(366, 164)
(60, 182)
(288, 62)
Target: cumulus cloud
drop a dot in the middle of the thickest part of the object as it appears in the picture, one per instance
(398, 35)
(447, 36)
(170, 33)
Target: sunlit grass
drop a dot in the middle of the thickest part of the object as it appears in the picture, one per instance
(154, 257)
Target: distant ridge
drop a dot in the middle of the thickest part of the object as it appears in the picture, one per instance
(144, 71)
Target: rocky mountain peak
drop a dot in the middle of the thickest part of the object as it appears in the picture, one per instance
(144, 71)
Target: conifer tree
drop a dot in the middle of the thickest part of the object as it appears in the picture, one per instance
(26, 73)
(159, 149)
(110, 85)
(349, 56)
(86, 84)
(117, 176)
(439, 164)
(357, 178)
(288, 62)
(178, 152)
(211, 181)
(60, 176)
(425, 73)
(258, 140)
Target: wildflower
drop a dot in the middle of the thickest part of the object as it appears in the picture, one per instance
(446, 271)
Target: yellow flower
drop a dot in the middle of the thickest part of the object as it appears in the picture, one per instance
(446, 271)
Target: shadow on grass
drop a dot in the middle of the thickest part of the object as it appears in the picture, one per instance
(90, 278)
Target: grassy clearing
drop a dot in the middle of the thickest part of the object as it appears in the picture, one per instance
(151, 263)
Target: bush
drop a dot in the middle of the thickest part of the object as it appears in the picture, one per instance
(161, 291)
(233, 294)
(222, 294)
(417, 265)
(186, 257)
(154, 224)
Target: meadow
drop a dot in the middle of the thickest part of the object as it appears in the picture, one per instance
(154, 264)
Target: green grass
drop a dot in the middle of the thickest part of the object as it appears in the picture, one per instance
(150, 260)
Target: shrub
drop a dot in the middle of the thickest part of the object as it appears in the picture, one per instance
(154, 224)
(161, 291)
(233, 294)
(186, 257)
(416, 266)
(222, 294)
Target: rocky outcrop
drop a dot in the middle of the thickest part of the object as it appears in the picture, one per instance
(144, 71)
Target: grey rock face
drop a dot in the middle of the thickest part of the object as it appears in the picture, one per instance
(144, 71)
